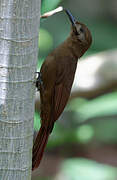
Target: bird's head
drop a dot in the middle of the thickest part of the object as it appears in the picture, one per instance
(80, 32)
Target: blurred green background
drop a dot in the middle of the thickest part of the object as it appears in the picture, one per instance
(83, 144)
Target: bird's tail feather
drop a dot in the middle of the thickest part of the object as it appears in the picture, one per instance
(38, 147)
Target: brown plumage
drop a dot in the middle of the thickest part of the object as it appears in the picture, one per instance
(57, 75)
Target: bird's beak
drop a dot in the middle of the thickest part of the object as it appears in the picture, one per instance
(71, 18)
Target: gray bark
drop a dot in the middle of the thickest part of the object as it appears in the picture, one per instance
(19, 25)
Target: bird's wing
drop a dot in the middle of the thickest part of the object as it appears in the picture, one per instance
(60, 100)
(62, 90)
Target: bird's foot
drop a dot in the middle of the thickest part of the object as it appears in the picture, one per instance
(39, 82)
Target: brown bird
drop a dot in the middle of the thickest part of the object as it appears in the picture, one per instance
(57, 75)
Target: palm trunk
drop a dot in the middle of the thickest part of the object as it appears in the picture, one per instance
(19, 25)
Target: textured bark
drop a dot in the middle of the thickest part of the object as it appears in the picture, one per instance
(19, 25)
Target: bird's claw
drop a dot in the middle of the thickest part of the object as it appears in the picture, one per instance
(39, 82)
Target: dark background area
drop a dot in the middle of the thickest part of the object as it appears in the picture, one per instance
(83, 144)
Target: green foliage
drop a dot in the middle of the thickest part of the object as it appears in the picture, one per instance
(36, 121)
(84, 133)
(45, 40)
(79, 134)
(48, 5)
(57, 138)
(39, 63)
(106, 129)
(45, 37)
(76, 104)
(102, 111)
(104, 33)
(82, 169)
(105, 105)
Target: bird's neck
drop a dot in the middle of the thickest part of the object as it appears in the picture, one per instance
(75, 48)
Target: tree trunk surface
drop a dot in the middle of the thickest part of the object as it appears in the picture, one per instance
(19, 26)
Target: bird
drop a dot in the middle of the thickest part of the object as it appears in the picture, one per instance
(55, 81)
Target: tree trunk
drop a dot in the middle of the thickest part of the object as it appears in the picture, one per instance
(19, 25)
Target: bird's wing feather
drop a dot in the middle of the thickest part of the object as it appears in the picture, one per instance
(63, 88)
(60, 100)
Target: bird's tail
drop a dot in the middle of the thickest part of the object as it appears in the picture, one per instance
(39, 146)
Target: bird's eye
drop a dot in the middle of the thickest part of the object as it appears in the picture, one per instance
(81, 30)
